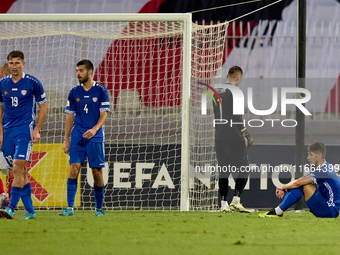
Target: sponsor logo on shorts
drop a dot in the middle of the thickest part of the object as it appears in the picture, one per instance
(21, 156)
(94, 99)
(23, 92)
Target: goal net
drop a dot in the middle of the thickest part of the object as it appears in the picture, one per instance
(155, 135)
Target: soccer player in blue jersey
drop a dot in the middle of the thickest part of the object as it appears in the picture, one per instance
(320, 188)
(87, 107)
(19, 93)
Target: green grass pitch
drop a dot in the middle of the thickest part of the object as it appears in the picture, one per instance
(154, 232)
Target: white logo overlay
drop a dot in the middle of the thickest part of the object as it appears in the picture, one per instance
(239, 105)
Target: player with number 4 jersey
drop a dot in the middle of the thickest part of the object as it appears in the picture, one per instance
(87, 107)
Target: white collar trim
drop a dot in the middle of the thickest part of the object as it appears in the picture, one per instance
(23, 75)
(94, 83)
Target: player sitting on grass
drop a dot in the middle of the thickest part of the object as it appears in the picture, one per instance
(320, 188)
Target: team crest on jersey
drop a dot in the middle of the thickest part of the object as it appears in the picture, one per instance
(78, 99)
(23, 92)
(5, 92)
(94, 99)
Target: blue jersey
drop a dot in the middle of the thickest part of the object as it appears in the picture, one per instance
(86, 106)
(328, 183)
(19, 99)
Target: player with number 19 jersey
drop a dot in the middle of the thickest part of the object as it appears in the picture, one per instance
(19, 110)
(18, 100)
(86, 106)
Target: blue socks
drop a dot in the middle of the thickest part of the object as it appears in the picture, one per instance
(292, 196)
(99, 195)
(15, 197)
(25, 195)
(27, 198)
(71, 191)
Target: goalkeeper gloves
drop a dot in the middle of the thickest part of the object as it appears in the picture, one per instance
(247, 139)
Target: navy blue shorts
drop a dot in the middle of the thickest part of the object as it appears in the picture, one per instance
(319, 207)
(95, 152)
(17, 143)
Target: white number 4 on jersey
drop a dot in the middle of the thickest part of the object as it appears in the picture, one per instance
(86, 109)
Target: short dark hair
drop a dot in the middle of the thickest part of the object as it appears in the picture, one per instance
(235, 70)
(15, 54)
(88, 64)
(317, 148)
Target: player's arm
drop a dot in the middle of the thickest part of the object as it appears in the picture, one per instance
(1, 126)
(41, 119)
(92, 132)
(40, 98)
(281, 190)
(68, 128)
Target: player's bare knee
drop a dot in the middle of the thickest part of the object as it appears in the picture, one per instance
(305, 189)
(19, 163)
(308, 187)
(74, 171)
(97, 176)
(19, 167)
(18, 171)
(97, 172)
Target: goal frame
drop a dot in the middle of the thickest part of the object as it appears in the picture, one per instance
(186, 18)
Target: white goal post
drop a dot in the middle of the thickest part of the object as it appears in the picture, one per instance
(152, 65)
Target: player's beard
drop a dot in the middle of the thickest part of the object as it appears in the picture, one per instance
(83, 79)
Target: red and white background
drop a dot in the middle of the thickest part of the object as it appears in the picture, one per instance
(321, 18)
(271, 55)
